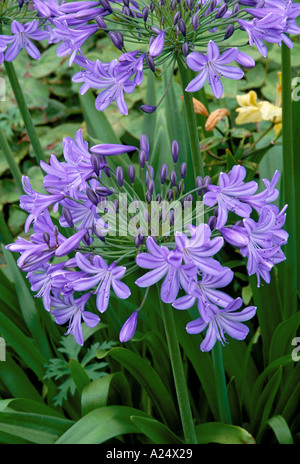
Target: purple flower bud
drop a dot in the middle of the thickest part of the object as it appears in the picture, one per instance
(229, 32)
(151, 186)
(172, 218)
(95, 162)
(236, 9)
(46, 238)
(131, 173)
(145, 13)
(212, 221)
(195, 22)
(175, 150)
(101, 23)
(173, 178)
(71, 243)
(120, 175)
(137, 241)
(158, 198)
(92, 196)
(152, 7)
(55, 231)
(222, 11)
(109, 149)
(177, 17)
(183, 169)
(106, 5)
(148, 197)
(144, 143)
(157, 45)
(68, 216)
(116, 205)
(163, 173)
(148, 108)
(182, 27)
(185, 49)
(142, 159)
(117, 40)
(150, 63)
(103, 191)
(126, 11)
(181, 186)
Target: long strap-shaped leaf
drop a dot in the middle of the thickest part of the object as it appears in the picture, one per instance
(150, 381)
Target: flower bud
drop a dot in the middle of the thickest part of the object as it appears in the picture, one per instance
(148, 108)
(175, 150)
(131, 173)
(215, 117)
(163, 173)
(129, 328)
(92, 196)
(120, 175)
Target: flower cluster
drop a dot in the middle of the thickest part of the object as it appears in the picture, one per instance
(76, 251)
(153, 36)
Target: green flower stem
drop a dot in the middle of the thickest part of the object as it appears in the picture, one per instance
(178, 373)
(289, 188)
(220, 381)
(13, 165)
(191, 121)
(15, 84)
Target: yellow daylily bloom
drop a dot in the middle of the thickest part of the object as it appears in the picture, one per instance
(249, 110)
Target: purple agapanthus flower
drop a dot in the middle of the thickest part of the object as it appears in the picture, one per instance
(106, 78)
(103, 277)
(164, 263)
(35, 203)
(267, 29)
(227, 195)
(259, 242)
(212, 67)
(205, 292)
(67, 309)
(199, 248)
(222, 321)
(21, 38)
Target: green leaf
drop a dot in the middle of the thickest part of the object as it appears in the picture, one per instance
(216, 432)
(79, 375)
(281, 429)
(284, 333)
(36, 428)
(101, 425)
(95, 394)
(156, 431)
(149, 380)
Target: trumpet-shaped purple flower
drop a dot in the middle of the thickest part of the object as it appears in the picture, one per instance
(267, 29)
(212, 67)
(259, 242)
(199, 248)
(222, 321)
(67, 309)
(35, 203)
(157, 45)
(106, 78)
(103, 276)
(164, 263)
(228, 194)
(205, 292)
(21, 39)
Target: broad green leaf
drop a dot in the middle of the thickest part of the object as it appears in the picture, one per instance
(281, 429)
(216, 432)
(36, 428)
(16, 380)
(156, 431)
(95, 394)
(283, 335)
(100, 425)
(149, 380)
(29, 406)
(23, 346)
(266, 403)
(79, 375)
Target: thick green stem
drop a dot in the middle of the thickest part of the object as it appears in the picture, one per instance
(289, 188)
(179, 377)
(191, 121)
(14, 82)
(13, 165)
(221, 386)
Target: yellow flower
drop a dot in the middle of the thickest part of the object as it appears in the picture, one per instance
(249, 110)
(252, 110)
